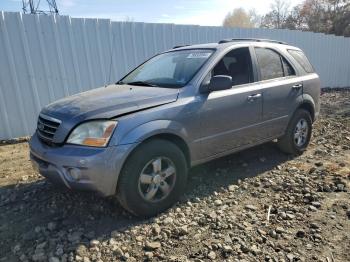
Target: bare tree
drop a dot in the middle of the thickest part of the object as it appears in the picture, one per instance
(240, 18)
(278, 15)
(327, 16)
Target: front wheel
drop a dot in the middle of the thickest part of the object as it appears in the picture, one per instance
(298, 133)
(153, 178)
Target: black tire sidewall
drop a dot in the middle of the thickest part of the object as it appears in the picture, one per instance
(299, 114)
(128, 185)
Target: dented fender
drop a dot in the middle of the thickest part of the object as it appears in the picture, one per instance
(152, 128)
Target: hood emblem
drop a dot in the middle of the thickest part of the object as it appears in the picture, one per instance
(41, 126)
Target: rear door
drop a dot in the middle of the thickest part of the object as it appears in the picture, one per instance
(281, 89)
(311, 81)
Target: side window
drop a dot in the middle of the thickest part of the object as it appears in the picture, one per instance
(269, 63)
(302, 60)
(287, 68)
(237, 64)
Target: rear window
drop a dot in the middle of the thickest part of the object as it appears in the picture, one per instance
(301, 58)
(270, 63)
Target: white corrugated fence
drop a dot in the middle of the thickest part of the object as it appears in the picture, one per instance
(44, 58)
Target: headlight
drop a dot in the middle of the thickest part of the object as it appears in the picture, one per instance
(94, 133)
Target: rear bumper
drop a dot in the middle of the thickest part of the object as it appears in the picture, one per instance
(80, 167)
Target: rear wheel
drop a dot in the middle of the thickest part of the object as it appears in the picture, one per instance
(153, 178)
(298, 134)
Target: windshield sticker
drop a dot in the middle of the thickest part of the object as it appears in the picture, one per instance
(198, 55)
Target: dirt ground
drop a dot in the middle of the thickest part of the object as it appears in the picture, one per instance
(257, 205)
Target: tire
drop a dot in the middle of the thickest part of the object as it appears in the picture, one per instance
(288, 143)
(132, 191)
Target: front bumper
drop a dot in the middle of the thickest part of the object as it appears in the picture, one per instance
(80, 167)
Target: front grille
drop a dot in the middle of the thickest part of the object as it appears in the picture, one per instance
(47, 127)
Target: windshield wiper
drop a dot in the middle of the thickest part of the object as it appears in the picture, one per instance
(140, 83)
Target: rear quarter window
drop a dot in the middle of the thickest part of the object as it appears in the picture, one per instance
(302, 60)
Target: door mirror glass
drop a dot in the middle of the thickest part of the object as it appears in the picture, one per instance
(220, 82)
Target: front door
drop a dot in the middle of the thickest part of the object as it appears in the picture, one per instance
(229, 118)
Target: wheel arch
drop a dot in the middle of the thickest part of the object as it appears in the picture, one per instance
(168, 136)
(309, 106)
(176, 140)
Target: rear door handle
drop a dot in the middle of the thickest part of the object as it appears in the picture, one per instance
(253, 97)
(297, 86)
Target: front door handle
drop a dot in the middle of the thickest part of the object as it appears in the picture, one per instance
(254, 97)
(297, 86)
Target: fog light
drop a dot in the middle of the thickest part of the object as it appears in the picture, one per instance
(75, 173)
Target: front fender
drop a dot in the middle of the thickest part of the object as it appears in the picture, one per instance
(152, 128)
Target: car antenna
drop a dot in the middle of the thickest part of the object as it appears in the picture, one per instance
(111, 62)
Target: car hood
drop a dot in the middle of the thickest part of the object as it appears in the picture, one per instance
(105, 103)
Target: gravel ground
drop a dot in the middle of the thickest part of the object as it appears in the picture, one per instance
(257, 205)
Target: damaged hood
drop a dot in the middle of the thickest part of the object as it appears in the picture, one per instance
(104, 103)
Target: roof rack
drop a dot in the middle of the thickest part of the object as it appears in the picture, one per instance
(179, 46)
(251, 39)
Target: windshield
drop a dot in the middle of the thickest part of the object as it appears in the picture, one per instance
(172, 69)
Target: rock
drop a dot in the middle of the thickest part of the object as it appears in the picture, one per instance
(314, 225)
(244, 248)
(290, 216)
(37, 229)
(39, 256)
(51, 226)
(213, 215)
(59, 251)
(54, 259)
(348, 213)
(156, 229)
(283, 215)
(16, 248)
(316, 204)
(152, 245)
(340, 187)
(232, 188)
(212, 255)
(261, 232)
(251, 207)
(149, 254)
(300, 234)
(318, 164)
(74, 237)
(168, 221)
(290, 257)
(312, 208)
(280, 230)
(140, 238)
(227, 249)
(255, 250)
(273, 233)
(218, 202)
(94, 243)
(81, 250)
(118, 251)
(183, 230)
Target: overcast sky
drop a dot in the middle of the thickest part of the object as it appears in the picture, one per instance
(199, 12)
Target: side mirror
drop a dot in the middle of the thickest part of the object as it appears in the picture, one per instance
(220, 82)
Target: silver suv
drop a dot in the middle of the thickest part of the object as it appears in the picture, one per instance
(136, 139)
